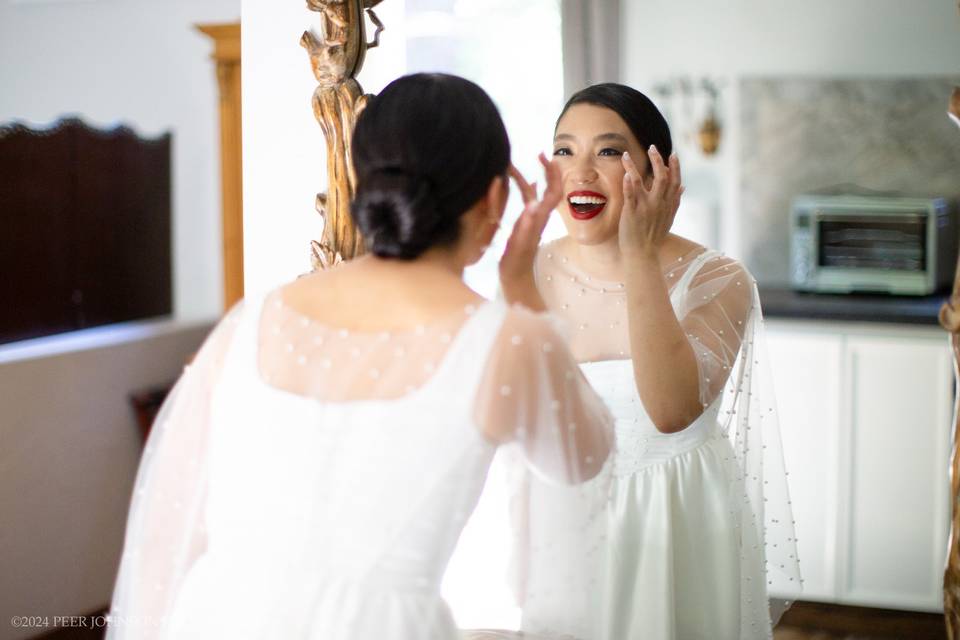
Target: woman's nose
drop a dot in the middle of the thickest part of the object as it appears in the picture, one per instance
(583, 173)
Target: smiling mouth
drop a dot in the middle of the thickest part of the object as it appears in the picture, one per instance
(586, 204)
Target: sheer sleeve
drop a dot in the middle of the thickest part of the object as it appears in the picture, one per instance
(165, 526)
(533, 394)
(722, 317)
(553, 465)
(714, 313)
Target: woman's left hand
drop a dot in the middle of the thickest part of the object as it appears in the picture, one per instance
(516, 265)
(521, 250)
(648, 213)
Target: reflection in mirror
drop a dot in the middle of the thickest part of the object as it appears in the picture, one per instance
(863, 382)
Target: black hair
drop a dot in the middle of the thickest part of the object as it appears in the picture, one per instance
(643, 118)
(425, 150)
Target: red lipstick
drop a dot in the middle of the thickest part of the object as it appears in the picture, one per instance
(585, 205)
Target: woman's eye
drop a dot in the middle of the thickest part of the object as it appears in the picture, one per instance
(610, 152)
(562, 151)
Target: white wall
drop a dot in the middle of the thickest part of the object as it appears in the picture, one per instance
(69, 451)
(143, 64)
(69, 444)
(284, 152)
(820, 38)
(777, 37)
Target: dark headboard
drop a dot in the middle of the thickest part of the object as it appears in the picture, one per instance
(84, 228)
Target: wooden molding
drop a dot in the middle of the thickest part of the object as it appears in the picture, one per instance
(226, 38)
(226, 55)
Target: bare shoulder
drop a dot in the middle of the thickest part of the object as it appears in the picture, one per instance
(308, 283)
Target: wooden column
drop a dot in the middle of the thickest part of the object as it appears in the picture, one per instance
(226, 54)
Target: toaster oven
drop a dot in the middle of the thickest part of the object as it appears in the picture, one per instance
(875, 244)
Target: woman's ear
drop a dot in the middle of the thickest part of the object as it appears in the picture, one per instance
(490, 210)
(497, 194)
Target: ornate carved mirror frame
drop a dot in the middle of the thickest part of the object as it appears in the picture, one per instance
(950, 320)
(336, 57)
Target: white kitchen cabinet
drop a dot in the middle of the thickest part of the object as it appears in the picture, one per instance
(865, 412)
(807, 383)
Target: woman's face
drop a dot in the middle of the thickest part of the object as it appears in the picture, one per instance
(588, 146)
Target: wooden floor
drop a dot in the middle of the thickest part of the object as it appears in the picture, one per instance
(813, 621)
(804, 621)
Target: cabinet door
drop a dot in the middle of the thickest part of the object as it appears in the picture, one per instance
(122, 241)
(895, 499)
(807, 377)
(36, 228)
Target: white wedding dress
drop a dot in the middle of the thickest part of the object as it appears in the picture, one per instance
(698, 528)
(304, 481)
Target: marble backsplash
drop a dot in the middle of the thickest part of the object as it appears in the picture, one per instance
(802, 135)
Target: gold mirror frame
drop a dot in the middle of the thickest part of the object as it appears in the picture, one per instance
(336, 57)
(950, 320)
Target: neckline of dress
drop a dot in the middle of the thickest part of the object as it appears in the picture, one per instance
(616, 286)
(457, 343)
(445, 321)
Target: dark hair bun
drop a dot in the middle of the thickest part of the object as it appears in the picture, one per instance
(396, 214)
(425, 150)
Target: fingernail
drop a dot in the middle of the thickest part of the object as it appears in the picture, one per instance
(626, 154)
(653, 149)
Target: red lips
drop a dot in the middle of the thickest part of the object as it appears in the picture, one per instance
(586, 210)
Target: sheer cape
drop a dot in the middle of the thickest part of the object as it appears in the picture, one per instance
(525, 394)
(716, 302)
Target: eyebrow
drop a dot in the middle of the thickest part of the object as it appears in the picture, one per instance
(603, 136)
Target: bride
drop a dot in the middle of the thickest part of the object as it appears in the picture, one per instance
(311, 471)
(699, 527)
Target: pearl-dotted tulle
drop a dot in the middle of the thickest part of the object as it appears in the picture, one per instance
(698, 529)
(286, 492)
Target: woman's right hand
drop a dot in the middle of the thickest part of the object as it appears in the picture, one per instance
(648, 213)
(516, 264)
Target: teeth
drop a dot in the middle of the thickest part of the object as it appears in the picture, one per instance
(587, 200)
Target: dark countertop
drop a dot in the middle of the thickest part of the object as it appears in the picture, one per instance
(786, 303)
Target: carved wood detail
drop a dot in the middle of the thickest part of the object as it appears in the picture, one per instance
(336, 56)
(950, 320)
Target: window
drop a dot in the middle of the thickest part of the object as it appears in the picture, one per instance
(513, 50)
